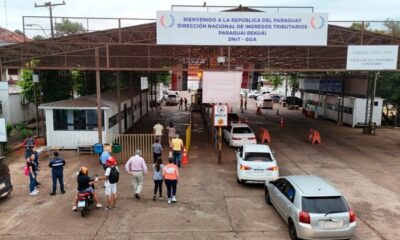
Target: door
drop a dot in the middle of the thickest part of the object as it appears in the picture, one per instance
(287, 200)
(278, 198)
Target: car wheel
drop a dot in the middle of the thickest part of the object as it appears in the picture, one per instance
(239, 181)
(292, 231)
(267, 197)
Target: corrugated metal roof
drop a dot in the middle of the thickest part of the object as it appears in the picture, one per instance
(108, 99)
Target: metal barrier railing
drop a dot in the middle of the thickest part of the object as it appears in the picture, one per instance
(130, 143)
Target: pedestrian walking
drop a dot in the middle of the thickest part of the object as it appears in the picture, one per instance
(30, 171)
(35, 156)
(57, 172)
(245, 103)
(158, 130)
(171, 178)
(177, 146)
(158, 178)
(241, 104)
(158, 111)
(111, 178)
(171, 132)
(180, 104)
(186, 102)
(136, 166)
(35, 152)
(105, 155)
(157, 150)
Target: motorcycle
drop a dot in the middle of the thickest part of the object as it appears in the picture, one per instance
(85, 201)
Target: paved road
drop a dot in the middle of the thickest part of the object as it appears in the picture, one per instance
(211, 204)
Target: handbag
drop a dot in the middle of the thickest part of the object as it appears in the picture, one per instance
(26, 170)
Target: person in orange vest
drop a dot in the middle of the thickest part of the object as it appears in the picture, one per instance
(171, 178)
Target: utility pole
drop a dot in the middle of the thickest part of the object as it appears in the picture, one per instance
(50, 6)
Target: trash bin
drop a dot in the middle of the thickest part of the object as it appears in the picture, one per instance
(116, 148)
(98, 148)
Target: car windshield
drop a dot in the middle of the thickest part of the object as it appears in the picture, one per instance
(324, 205)
(258, 157)
(242, 130)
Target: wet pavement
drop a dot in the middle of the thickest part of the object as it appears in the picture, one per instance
(211, 205)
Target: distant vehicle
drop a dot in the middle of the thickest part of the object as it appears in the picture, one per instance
(293, 102)
(5, 179)
(263, 95)
(267, 103)
(172, 100)
(253, 94)
(255, 162)
(238, 134)
(275, 98)
(233, 118)
(312, 208)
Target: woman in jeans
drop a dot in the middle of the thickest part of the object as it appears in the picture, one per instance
(171, 132)
(32, 176)
(171, 178)
(158, 177)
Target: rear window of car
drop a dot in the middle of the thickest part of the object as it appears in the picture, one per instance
(242, 130)
(324, 204)
(172, 96)
(233, 117)
(257, 157)
(267, 100)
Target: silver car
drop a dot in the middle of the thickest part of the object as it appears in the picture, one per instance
(312, 208)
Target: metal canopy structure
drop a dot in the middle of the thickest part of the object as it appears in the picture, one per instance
(134, 48)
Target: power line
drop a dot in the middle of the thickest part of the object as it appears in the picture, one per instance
(50, 6)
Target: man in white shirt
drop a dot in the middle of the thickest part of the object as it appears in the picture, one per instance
(136, 166)
(157, 130)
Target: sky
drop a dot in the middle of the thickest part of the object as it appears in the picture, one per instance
(337, 9)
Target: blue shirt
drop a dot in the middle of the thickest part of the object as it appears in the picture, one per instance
(104, 157)
(56, 165)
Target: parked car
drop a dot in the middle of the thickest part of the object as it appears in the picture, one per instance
(275, 98)
(5, 179)
(172, 100)
(267, 103)
(292, 101)
(253, 94)
(238, 134)
(312, 208)
(233, 118)
(256, 162)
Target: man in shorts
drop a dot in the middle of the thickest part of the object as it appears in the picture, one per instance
(110, 184)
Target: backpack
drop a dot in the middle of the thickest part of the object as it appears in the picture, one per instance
(114, 175)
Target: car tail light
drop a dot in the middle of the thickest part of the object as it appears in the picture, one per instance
(304, 217)
(275, 168)
(251, 138)
(236, 138)
(243, 167)
(352, 216)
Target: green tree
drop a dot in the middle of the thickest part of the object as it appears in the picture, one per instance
(359, 26)
(274, 79)
(67, 27)
(38, 37)
(392, 27)
(388, 87)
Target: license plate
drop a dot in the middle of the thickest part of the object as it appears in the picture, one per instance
(332, 224)
(81, 204)
(3, 185)
(258, 170)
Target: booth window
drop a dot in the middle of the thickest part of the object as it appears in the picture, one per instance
(78, 120)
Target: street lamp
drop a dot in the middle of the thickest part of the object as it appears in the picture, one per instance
(33, 24)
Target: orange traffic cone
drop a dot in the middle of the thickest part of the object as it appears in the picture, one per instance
(185, 159)
(264, 136)
(282, 123)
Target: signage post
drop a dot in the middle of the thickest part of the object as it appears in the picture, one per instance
(220, 120)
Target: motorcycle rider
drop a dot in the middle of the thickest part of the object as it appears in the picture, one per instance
(85, 185)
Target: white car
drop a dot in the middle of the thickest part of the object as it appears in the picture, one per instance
(236, 135)
(256, 162)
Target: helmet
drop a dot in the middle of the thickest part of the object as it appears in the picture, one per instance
(111, 161)
(84, 170)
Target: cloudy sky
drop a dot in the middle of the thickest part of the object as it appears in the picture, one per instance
(337, 9)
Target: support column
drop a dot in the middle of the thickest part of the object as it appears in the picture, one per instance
(131, 98)
(98, 96)
(119, 103)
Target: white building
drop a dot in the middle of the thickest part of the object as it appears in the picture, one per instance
(73, 122)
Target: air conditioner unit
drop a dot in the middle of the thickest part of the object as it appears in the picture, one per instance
(24, 101)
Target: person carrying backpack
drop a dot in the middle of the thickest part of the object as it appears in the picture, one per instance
(111, 178)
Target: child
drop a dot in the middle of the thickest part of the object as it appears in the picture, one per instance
(158, 177)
